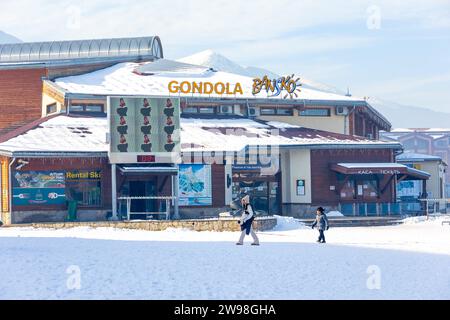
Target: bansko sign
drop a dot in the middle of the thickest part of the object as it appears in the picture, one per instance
(288, 84)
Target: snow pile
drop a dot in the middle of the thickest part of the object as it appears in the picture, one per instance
(287, 224)
(334, 214)
(436, 219)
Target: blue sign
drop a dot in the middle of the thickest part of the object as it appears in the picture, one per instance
(38, 188)
(195, 185)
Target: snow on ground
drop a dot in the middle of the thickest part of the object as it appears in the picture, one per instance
(334, 214)
(413, 260)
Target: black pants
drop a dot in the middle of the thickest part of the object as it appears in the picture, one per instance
(321, 236)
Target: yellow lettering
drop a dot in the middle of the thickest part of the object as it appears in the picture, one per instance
(197, 87)
(238, 89)
(219, 88)
(208, 88)
(185, 87)
(173, 87)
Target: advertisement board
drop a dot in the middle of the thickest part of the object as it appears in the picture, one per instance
(143, 126)
(38, 187)
(195, 185)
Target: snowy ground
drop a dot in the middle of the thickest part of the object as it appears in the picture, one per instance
(409, 261)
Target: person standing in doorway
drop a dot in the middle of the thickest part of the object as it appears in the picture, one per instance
(322, 224)
(246, 220)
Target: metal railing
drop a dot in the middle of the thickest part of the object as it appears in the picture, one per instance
(400, 208)
(165, 212)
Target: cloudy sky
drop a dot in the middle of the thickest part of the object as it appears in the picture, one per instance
(397, 50)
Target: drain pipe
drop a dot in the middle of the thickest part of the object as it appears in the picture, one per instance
(10, 190)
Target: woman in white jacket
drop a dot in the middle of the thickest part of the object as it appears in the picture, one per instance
(246, 220)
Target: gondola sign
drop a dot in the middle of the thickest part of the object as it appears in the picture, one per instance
(144, 127)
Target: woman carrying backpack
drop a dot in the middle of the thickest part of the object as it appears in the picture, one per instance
(246, 221)
(322, 224)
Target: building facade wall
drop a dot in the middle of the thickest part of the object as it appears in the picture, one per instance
(21, 96)
(324, 179)
(333, 123)
(296, 165)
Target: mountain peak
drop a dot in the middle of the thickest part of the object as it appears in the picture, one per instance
(8, 38)
(217, 61)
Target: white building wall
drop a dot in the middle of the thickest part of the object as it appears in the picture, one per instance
(296, 165)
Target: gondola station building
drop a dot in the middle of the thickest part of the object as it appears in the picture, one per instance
(112, 127)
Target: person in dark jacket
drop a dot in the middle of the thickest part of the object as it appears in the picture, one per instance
(248, 215)
(322, 224)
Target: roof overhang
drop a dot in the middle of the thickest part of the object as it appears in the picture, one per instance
(148, 169)
(383, 168)
(51, 154)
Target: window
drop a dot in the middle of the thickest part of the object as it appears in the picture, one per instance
(190, 110)
(370, 189)
(86, 193)
(285, 111)
(76, 108)
(207, 110)
(348, 190)
(84, 187)
(270, 111)
(315, 112)
(51, 108)
(92, 108)
(198, 109)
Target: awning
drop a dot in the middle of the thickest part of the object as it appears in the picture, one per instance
(383, 168)
(148, 169)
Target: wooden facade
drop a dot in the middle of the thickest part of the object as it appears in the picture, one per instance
(20, 96)
(324, 180)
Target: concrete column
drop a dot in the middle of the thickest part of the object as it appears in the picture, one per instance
(176, 211)
(114, 192)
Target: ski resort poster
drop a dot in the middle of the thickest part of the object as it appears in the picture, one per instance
(195, 185)
(38, 187)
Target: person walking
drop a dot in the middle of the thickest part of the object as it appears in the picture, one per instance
(246, 220)
(322, 224)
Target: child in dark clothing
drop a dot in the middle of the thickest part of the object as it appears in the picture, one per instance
(322, 224)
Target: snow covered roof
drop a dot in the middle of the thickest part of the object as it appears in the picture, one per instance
(66, 134)
(165, 66)
(122, 79)
(385, 168)
(62, 134)
(424, 130)
(237, 134)
(364, 165)
(417, 157)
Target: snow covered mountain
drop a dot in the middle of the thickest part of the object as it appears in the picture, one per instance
(7, 38)
(209, 58)
(417, 117)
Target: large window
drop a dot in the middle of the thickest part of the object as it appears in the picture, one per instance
(207, 110)
(318, 112)
(91, 108)
(200, 109)
(269, 111)
(84, 187)
(51, 108)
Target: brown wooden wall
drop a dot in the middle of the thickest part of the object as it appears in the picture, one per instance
(323, 177)
(20, 96)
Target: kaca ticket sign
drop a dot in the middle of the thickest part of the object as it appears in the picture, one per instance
(143, 126)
